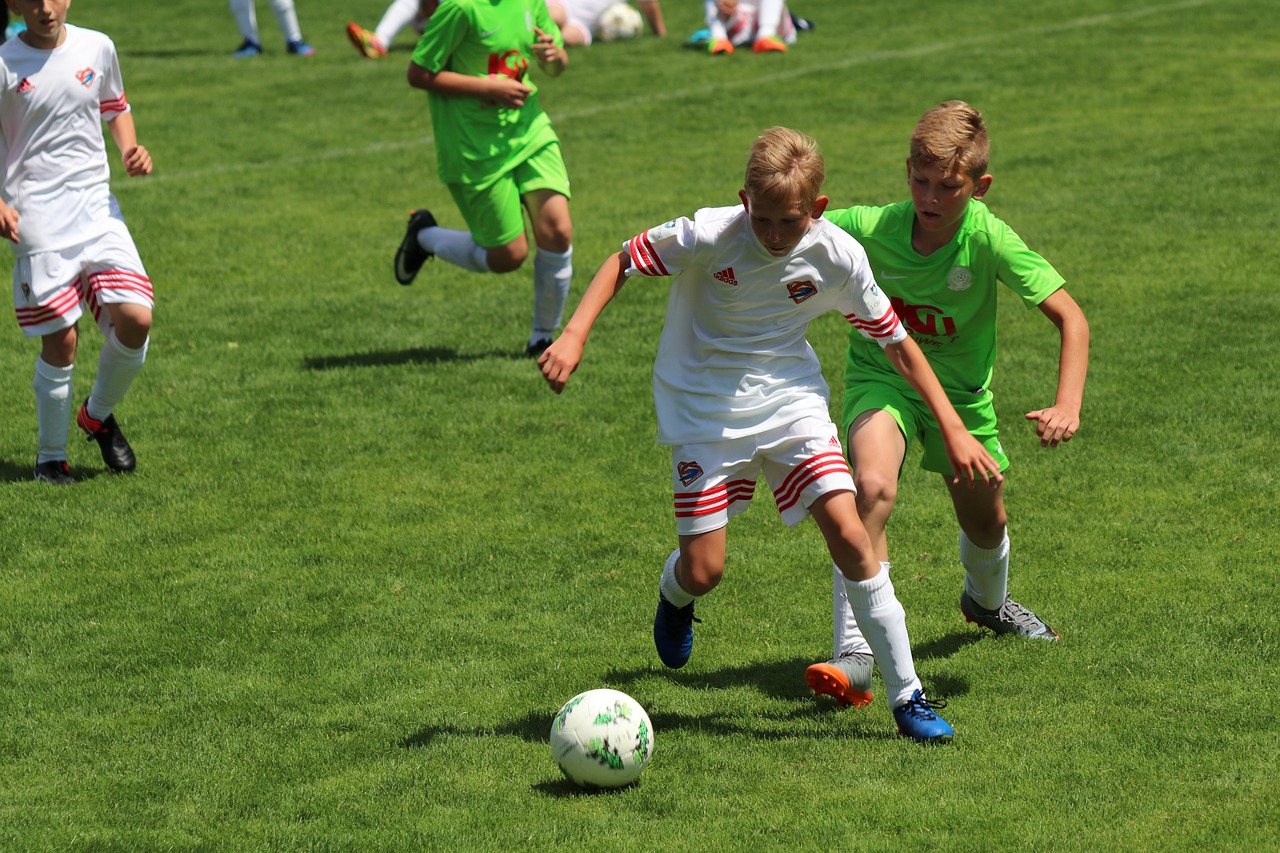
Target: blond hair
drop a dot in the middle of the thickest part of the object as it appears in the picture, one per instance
(785, 164)
(952, 135)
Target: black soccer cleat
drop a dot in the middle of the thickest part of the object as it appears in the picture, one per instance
(115, 448)
(54, 471)
(411, 256)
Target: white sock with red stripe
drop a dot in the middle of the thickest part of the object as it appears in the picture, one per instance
(669, 586)
(456, 247)
(53, 409)
(884, 624)
(552, 273)
(118, 366)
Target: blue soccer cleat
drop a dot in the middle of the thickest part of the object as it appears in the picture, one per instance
(246, 50)
(916, 719)
(673, 632)
(300, 48)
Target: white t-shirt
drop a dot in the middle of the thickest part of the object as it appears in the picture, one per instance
(52, 106)
(733, 359)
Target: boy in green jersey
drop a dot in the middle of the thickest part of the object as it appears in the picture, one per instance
(495, 150)
(939, 258)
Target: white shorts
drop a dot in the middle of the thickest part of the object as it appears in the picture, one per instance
(715, 480)
(49, 288)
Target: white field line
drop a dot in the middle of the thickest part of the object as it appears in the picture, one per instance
(695, 92)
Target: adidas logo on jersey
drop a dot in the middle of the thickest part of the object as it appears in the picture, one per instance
(726, 275)
(26, 86)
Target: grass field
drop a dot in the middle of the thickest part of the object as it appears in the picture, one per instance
(367, 554)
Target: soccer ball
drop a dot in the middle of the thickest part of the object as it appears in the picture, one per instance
(602, 739)
(619, 22)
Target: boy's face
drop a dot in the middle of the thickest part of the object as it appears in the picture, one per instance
(44, 20)
(941, 196)
(780, 225)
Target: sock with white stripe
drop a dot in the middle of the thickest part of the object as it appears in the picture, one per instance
(53, 409)
(847, 638)
(552, 273)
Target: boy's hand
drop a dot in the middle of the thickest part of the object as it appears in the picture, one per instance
(137, 161)
(559, 361)
(545, 49)
(970, 460)
(9, 223)
(508, 92)
(1054, 425)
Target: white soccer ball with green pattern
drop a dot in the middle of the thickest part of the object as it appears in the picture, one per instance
(602, 739)
(619, 22)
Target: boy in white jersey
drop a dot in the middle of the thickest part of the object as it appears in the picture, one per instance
(58, 83)
(739, 392)
(940, 257)
(767, 25)
(579, 20)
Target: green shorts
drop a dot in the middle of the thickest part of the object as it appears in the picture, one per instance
(493, 211)
(916, 421)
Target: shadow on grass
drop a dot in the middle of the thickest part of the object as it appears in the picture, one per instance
(777, 679)
(15, 472)
(416, 355)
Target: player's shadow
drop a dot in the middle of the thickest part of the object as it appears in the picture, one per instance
(18, 471)
(395, 358)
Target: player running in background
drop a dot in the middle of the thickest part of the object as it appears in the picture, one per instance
(246, 15)
(58, 83)
(940, 258)
(739, 392)
(495, 150)
(373, 44)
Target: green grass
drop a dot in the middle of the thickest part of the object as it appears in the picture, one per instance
(367, 553)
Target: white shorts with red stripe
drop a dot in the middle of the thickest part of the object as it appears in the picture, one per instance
(715, 480)
(50, 288)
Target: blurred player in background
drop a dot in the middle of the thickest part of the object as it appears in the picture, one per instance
(767, 25)
(246, 15)
(374, 44)
(58, 84)
(579, 19)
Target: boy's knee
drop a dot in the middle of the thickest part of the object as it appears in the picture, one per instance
(875, 492)
(508, 258)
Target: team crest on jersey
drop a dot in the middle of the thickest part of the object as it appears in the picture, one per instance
(86, 77)
(663, 232)
(26, 86)
(725, 275)
(688, 472)
(959, 278)
(799, 291)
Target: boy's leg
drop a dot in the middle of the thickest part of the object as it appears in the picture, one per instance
(984, 553)
(52, 384)
(878, 611)
(246, 19)
(123, 353)
(691, 571)
(399, 15)
(552, 266)
(287, 18)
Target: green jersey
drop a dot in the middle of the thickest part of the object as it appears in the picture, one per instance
(946, 300)
(479, 140)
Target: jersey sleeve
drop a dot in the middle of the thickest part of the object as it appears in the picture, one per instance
(111, 99)
(1023, 271)
(446, 29)
(662, 250)
(869, 310)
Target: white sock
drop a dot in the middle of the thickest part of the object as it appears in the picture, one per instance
(986, 571)
(399, 15)
(768, 18)
(884, 624)
(669, 586)
(848, 639)
(287, 18)
(552, 273)
(118, 366)
(246, 19)
(53, 409)
(456, 247)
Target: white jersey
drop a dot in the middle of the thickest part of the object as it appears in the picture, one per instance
(733, 359)
(52, 105)
(587, 12)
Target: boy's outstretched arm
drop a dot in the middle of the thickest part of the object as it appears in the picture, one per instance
(1060, 421)
(969, 459)
(137, 161)
(563, 356)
